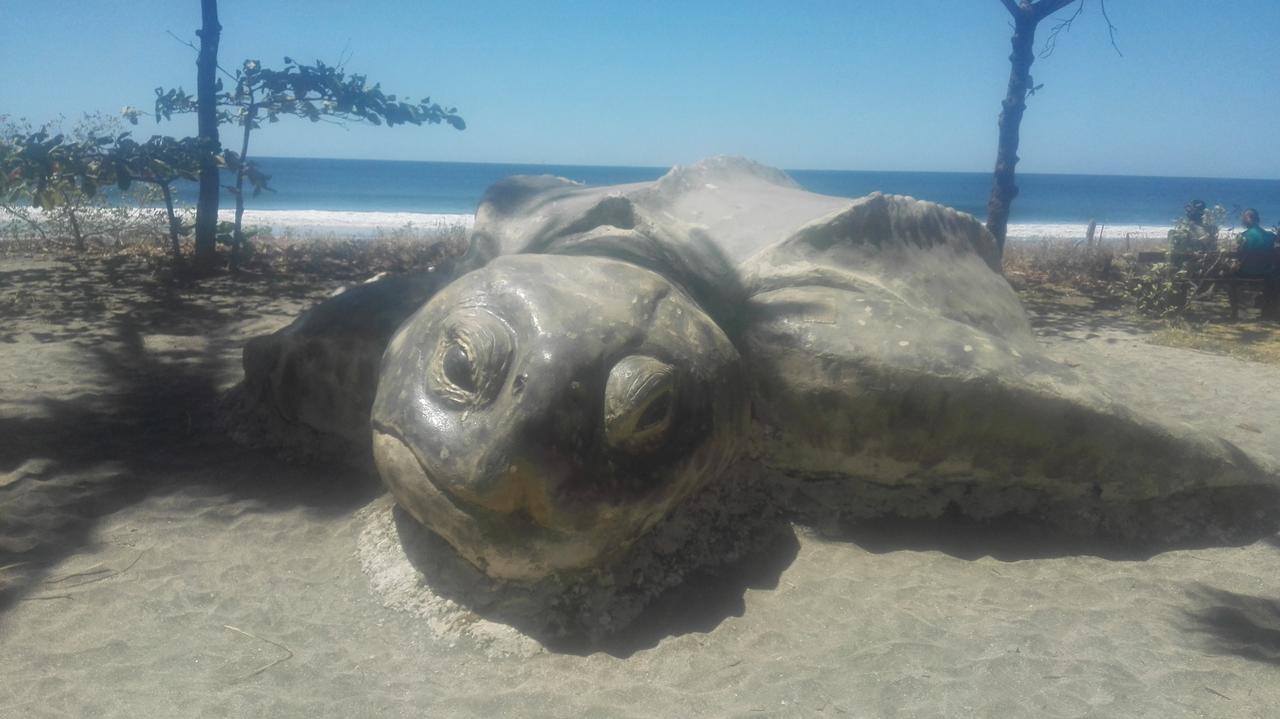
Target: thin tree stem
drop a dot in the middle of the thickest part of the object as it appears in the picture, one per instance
(173, 222)
(75, 222)
(237, 236)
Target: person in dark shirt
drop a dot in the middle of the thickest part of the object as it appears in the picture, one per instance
(1259, 257)
(1192, 233)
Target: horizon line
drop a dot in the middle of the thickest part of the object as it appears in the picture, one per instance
(664, 168)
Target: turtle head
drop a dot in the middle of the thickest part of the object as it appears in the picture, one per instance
(544, 411)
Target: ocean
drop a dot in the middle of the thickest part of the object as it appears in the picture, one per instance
(355, 197)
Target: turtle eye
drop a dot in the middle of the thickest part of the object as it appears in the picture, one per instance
(639, 403)
(471, 360)
(656, 414)
(459, 369)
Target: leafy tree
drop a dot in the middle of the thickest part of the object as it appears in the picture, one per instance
(43, 167)
(54, 172)
(1027, 15)
(160, 161)
(58, 173)
(314, 92)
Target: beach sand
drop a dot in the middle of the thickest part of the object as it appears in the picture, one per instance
(153, 567)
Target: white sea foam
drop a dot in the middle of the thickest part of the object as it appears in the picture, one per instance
(335, 223)
(1077, 231)
(358, 224)
(306, 223)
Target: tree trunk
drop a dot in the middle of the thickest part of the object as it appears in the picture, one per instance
(174, 226)
(1003, 187)
(81, 245)
(237, 235)
(207, 115)
(78, 236)
(1026, 15)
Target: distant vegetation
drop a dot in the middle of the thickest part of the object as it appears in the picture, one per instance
(314, 92)
(51, 181)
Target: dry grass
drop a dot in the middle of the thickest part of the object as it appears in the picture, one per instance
(1064, 278)
(339, 258)
(1254, 341)
(1099, 269)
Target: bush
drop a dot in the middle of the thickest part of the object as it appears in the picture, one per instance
(1159, 293)
(75, 213)
(1094, 268)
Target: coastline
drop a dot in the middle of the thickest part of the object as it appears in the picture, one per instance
(324, 223)
(303, 224)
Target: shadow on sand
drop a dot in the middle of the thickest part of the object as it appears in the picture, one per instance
(1062, 313)
(652, 595)
(150, 422)
(705, 599)
(1237, 624)
(1006, 539)
(700, 599)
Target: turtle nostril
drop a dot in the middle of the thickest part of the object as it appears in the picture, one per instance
(640, 399)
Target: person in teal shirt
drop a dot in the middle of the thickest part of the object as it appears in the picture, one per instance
(1259, 257)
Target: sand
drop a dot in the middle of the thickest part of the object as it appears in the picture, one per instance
(154, 567)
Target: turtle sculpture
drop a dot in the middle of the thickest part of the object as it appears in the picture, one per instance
(601, 353)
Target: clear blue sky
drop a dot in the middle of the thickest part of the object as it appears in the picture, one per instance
(852, 84)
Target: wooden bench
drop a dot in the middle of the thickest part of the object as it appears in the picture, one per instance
(1209, 270)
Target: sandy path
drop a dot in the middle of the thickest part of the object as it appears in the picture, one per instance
(103, 468)
(872, 630)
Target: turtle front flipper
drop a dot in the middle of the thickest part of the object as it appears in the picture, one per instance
(320, 372)
(893, 372)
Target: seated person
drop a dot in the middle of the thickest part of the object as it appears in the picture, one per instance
(1192, 233)
(1259, 257)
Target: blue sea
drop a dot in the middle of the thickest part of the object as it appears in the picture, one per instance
(453, 188)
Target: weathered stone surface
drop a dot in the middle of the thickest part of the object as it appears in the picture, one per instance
(612, 350)
(894, 372)
(321, 371)
(542, 413)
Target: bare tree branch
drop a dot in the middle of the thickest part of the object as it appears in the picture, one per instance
(191, 45)
(1051, 42)
(1045, 8)
(345, 56)
(188, 43)
(1012, 7)
(1111, 28)
(1065, 25)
